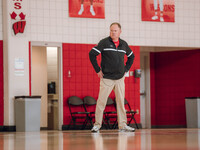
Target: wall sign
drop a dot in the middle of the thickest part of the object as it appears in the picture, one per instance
(19, 67)
(87, 8)
(158, 10)
(18, 16)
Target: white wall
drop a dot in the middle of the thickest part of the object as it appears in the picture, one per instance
(14, 48)
(1, 20)
(185, 32)
(49, 21)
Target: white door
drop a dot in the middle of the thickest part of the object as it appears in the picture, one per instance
(39, 79)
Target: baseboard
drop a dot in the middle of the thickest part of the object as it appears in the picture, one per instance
(89, 127)
(43, 128)
(1, 128)
(7, 128)
(77, 127)
(168, 126)
(13, 128)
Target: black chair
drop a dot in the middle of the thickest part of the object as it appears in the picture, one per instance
(110, 114)
(130, 113)
(78, 114)
(90, 105)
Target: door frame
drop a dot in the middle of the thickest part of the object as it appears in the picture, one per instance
(147, 92)
(60, 72)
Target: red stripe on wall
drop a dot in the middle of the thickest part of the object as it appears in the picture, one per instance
(84, 80)
(29, 68)
(174, 76)
(1, 85)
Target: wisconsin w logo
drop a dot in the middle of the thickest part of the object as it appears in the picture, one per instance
(18, 27)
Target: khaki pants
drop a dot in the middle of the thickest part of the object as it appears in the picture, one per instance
(106, 87)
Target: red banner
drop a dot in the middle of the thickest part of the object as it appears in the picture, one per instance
(158, 10)
(18, 16)
(87, 8)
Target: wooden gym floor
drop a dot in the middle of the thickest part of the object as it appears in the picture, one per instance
(142, 139)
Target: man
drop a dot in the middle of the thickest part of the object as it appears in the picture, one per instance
(111, 74)
(91, 8)
(155, 17)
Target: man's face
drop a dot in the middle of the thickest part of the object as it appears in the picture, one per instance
(115, 32)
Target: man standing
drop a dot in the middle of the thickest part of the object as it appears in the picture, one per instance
(111, 75)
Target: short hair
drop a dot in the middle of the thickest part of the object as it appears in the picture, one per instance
(118, 24)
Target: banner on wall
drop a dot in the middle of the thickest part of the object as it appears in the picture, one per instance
(158, 10)
(18, 16)
(87, 8)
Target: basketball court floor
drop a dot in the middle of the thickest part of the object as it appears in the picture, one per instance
(142, 139)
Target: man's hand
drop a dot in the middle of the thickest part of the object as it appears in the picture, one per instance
(100, 74)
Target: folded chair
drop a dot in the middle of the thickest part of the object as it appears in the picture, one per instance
(110, 114)
(130, 113)
(78, 114)
(90, 105)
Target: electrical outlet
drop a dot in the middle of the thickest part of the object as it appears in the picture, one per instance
(137, 111)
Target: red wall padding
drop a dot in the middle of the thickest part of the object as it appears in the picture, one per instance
(174, 76)
(1, 84)
(84, 80)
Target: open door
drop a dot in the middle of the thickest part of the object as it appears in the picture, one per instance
(39, 79)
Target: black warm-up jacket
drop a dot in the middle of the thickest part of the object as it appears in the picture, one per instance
(112, 58)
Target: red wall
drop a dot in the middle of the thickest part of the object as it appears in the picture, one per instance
(174, 76)
(84, 80)
(1, 84)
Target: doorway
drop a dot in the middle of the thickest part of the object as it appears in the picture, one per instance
(46, 78)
